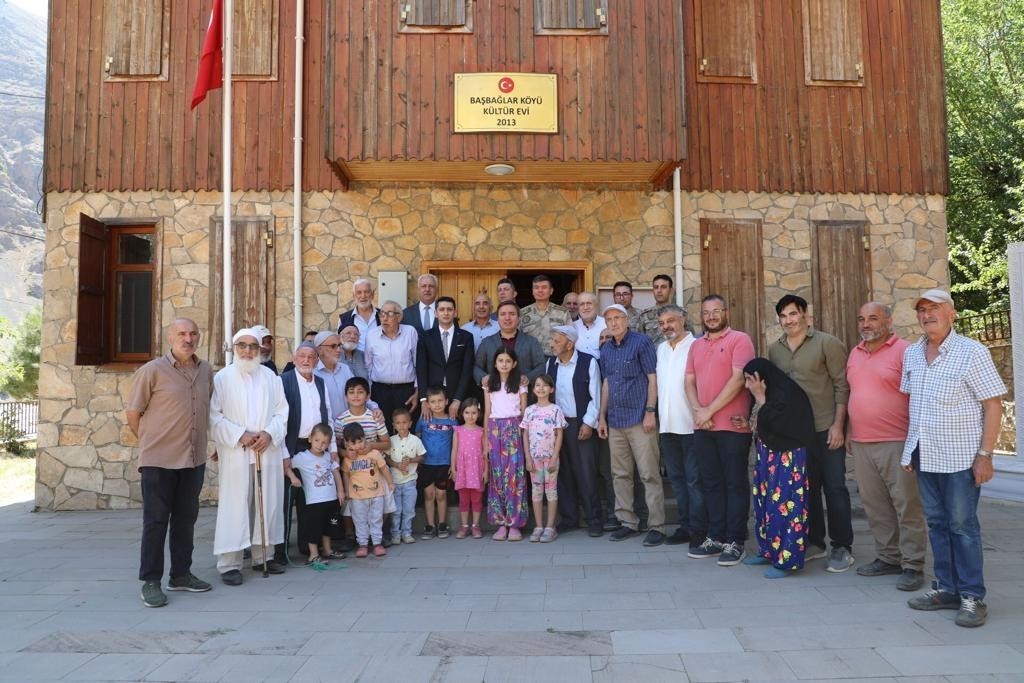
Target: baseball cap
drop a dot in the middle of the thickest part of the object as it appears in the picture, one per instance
(261, 332)
(936, 296)
(615, 307)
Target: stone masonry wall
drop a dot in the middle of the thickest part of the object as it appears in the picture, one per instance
(86, 452)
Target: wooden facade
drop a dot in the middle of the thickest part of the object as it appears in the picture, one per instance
(375, 95)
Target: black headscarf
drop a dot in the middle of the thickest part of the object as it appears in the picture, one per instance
(786, 420)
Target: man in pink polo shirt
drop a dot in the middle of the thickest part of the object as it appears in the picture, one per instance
(878, 427)
(715, 391)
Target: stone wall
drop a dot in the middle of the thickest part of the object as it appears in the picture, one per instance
(87, 457)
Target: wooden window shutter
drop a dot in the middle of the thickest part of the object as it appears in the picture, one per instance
(137, 38)
(91, 346)
(435, 13)
(572, 16)
(726, 40)
(255, 39)
(833, 44)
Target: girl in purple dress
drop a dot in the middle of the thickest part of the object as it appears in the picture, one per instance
(469, 467)
(504, 402)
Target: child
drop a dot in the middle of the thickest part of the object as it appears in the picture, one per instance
(435, 429)
(324, 489)
(542, 426)
(406, 452)
(364, 469)
(504, 401)
(469, 466)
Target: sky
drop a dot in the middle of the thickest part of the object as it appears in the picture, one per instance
(37, 7)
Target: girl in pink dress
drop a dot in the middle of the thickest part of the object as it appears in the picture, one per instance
(469, 467)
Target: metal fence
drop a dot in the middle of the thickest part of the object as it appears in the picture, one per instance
(985, 327)
(20, 417)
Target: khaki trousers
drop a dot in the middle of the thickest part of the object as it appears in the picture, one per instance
(892, 503)
(632, 446)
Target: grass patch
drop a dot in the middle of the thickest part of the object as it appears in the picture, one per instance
(18, 474)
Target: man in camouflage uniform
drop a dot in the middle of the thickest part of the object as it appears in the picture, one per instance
(648, 323)
(538, 318)
(622, 294)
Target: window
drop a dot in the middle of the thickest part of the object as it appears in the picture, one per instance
(435, 16)
(137, 39)
(116, 293)
(726, 41)
(571, 17)
(833, 47)
(254, 46)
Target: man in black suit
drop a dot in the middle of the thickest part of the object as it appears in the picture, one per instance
(444, 357)
(423, 311)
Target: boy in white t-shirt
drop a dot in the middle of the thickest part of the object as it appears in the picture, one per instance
(325, 491)
(407, 451)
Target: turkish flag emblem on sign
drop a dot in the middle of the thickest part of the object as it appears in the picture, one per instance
(506, 85)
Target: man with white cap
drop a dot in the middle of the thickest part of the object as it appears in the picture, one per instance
(578, 394)
(266, 339)
(248, 420)
(627, 417)
(955, 414)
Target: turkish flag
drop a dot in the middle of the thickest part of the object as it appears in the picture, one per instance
(211, 63)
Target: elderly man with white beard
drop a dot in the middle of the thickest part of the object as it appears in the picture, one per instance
(248, 420)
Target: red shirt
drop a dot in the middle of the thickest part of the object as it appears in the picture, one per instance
(877, 410)
(711, 362)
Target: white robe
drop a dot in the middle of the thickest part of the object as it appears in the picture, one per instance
(240, 404)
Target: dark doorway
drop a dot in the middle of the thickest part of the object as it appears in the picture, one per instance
(563, 282)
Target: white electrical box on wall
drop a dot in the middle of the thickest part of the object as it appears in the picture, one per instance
(393, 285)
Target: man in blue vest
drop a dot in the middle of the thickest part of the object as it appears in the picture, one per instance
(578, 394)
(308, 404)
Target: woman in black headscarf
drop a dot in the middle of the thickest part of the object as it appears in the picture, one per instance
(784, 429)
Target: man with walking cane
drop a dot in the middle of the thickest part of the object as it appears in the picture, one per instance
(248, 419)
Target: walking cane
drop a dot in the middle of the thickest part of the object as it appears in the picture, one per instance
(259, 510)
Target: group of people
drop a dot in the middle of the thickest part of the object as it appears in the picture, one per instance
(557, 404)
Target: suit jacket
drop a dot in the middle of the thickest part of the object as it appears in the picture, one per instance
(348, 317)
(411, 316)
(531, 357)
(433, 370)
(291, 394)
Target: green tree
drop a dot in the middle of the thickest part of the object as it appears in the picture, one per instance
(19, 368)
(983, 42)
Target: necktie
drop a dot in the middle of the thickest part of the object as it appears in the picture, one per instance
(444, 343)
(426, 317)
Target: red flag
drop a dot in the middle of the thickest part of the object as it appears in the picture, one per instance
(211, 63)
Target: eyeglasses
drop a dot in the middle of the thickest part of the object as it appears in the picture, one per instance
(390, 314)
(331, 346)
(242, 347)
(712, 312)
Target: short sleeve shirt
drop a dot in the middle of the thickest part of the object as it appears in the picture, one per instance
(878, 410)
(625, 365)
(317, 474)
(374, 430)
(540, 423)
(364, 478)
(437, 439)
(712, 362)
(405, 449)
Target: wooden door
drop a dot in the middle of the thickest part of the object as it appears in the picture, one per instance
(464, 285)
(841, 276)
(252, 278)
(731, 267)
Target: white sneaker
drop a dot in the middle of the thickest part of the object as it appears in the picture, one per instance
(408, 539)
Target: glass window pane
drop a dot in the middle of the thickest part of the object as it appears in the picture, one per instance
(133, 313)
(135, 248)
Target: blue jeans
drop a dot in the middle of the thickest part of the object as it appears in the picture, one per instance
(722, 457)
(405, 502)
(683, 473)
(950, 503)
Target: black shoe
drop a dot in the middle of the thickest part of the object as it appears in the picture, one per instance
(189, 583)
(232, 578)
(653, 538)
(622, 533)
(611, 524)
(442, 531)
(246, 554)
(347, 545)
(281, 558)
(272, 567)
(678, 537)
(152, 595)
(642, 526)
(386, 541)
(879, 567)
(566, 527)
(594, 530)
(910, 580)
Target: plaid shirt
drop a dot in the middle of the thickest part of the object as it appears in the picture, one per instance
(625, 366)
(945, 402)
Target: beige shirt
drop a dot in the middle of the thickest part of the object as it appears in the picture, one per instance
(174, 401)
(538, 323)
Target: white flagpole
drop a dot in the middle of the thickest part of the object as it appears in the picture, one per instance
(297, 173)
(226, 180)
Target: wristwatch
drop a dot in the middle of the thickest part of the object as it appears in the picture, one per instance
(982, 453)
(650, 409)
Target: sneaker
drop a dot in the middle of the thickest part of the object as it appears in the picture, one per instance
(187, 583)
(934, 599)
(152, 596)
(548, 535)
(501, 534)
(653, 538)
(463, 530)
(475, 532)
(232, 578)
(642, 526)
(428, 533)
(595, 530)
(622, 533)
(814, 552)
(442, 531)
(678, 537)
(514, 534)
(566, 527)
(347, 545)
(706, 550)
(386, 541)
(973, 612)
(363, 551)
(878, 568)
(840, 561)
(612, 524)
(537, 533)
(732, 554)
(379, 551)
(408, 538)
(910, 580)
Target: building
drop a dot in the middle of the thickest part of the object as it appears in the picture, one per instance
(809, 137)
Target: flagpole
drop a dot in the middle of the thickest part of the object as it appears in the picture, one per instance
(226, 180)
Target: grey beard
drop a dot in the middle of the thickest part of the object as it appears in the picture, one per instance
(246, 366)
(349, 346)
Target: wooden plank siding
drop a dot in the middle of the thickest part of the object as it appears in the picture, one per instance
(376, 95)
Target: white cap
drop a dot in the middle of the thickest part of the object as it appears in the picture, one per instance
(245, 332)
(260, 331)
(616, 307)
(936, 296)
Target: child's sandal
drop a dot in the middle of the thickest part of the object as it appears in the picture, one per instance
(475, 531)
(463, 530)
(363, 551)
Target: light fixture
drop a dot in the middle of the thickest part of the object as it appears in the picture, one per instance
(500, 169)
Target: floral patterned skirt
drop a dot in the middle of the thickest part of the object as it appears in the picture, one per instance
(780, 509)
(506, 490)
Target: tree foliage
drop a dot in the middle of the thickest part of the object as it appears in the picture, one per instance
(19, 365)
(984, 53)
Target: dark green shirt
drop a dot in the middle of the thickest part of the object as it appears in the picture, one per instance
(819, 366)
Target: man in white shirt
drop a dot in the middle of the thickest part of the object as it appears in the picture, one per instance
(363, 315)
(422, 315)
(675, 424)
(589, 325)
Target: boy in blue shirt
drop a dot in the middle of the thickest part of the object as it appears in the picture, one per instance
(435, 430)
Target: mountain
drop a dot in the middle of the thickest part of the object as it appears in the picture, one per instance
(22, 89)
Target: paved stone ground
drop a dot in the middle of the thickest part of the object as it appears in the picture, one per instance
(579, 609)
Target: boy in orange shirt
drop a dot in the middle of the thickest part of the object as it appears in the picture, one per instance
(368, 480)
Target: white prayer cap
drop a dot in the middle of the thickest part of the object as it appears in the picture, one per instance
(245, 332)
(259, 331)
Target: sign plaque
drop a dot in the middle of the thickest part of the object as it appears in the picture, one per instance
(506, 103)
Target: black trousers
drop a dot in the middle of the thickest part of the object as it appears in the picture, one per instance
(577, 477)
(294, 498)
(392, 396)
(170, 499)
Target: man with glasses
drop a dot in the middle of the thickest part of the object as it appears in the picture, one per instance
(391, 362)
(363, 315)
(622, 293)
(589, 325)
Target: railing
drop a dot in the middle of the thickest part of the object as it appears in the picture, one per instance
(985, 327)
(21, 418)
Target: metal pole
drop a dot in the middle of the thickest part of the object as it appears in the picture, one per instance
(229, 13)
(297, 173)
